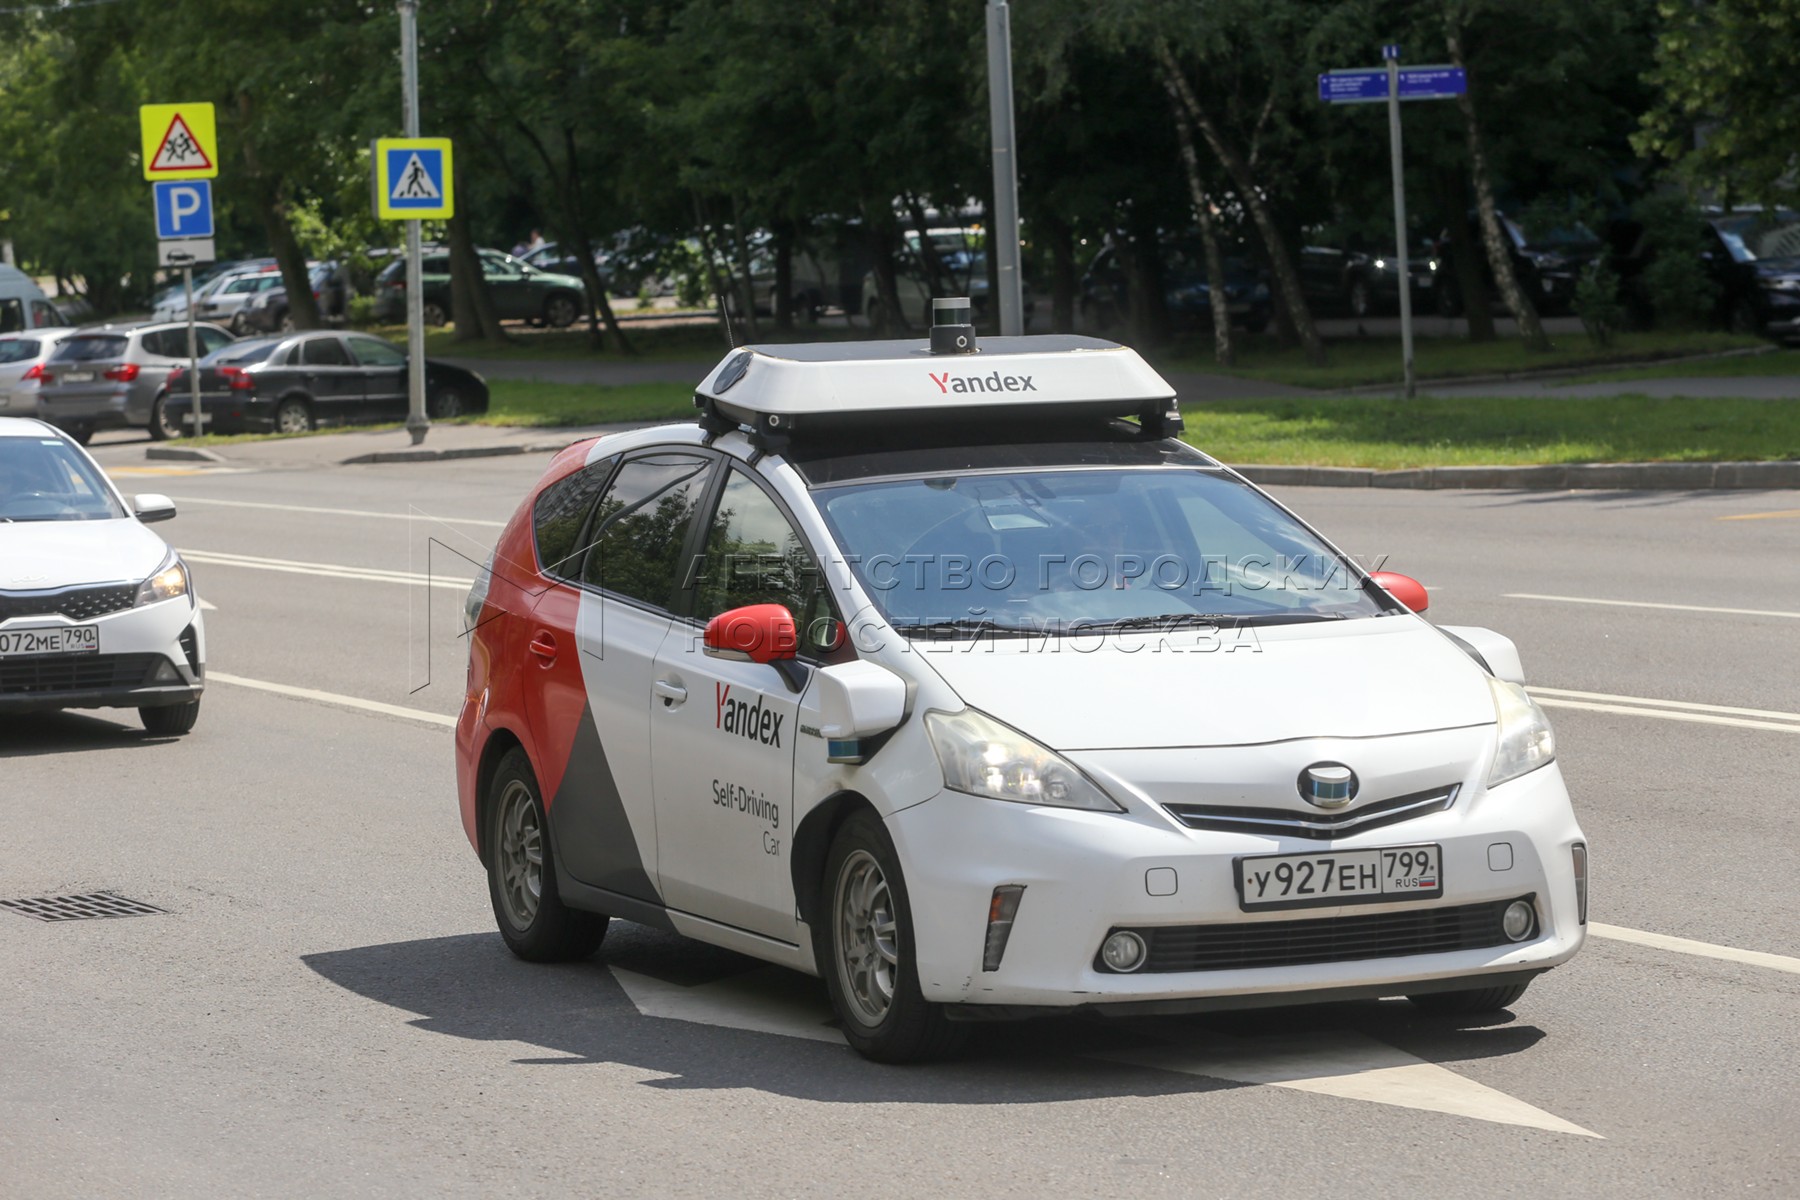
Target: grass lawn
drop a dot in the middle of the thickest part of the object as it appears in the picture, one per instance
(1376, 360)
(528, 402)
(1387, 433)
(1774, 363)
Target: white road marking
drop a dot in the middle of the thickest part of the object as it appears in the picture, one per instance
(1692, 706)
(1350, 1066)
(332, 698)
(340, 512)
(1667, 710)
(766, 1000)
(1662, 941)
(1736, 612)
(208, 606)
(326, 570)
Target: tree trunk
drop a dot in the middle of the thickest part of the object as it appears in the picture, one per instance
(1281, 263)
(746, 279)
(1223, 351)
(1063, 284)
(783, 299)
(882, 235)
(273, 209)
(938, 279)
(1462, 270)
(1148, 299)
(1493, 238)
(471, 301)
(720, 292)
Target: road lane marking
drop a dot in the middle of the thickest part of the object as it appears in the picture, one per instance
(1791, 512)
(1736, 612)
(326, 570)
(333, 698)
(168, 471)
(208, 606)
(1662, 941)
(1692, 706)
(1670, 715)
(341, 512)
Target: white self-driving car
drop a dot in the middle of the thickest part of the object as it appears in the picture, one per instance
(96, 611)
(952, 676)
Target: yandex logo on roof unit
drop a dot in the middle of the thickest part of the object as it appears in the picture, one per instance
(993, 382)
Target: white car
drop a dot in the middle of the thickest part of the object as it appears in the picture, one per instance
(22, 359)
(96, 611)
(927, 673)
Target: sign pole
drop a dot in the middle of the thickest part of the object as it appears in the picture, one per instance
(417, 422)
(1392, 54)
(1005, 232)
(187, 289)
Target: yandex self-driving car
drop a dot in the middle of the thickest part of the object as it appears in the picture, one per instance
(946, 672)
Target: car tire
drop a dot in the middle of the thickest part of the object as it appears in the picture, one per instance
(285, 323)
(81, 433)
(293, 416)
(864, 941)
(446, 404)
(534, 922)
(1742, 318)
(161, 427)
(237, 324)
(561, 310)
(1358, 298)
(436, 314)
(1465, 1003)
(170, 720)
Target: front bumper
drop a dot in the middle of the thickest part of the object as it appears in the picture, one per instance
(150, 656)
(1086, 874)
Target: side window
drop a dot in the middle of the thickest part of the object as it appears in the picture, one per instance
(372, 353)
(44, 314)
(163, 343)
(495, 267)
(437, 264)
(323, 352)
(12, 316)
(210, 339)
(753, 555)
(642, 524)
(558, 515)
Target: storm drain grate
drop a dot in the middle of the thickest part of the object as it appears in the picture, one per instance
(80, 908)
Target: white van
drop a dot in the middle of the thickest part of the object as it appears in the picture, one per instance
(23, 304)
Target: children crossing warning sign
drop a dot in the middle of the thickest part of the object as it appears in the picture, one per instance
(179, 141)
(414, 179)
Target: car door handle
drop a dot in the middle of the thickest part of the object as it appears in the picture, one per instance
(544, 646)
(672, 693)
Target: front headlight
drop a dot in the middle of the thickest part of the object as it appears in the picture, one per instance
(1523, 738)
(477, 597)
(170, 581)
(982, 757)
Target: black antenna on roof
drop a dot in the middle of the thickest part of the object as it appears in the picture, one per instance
(725, 316)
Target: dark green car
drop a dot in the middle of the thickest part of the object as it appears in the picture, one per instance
(521, 292)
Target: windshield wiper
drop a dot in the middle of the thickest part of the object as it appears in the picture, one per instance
(1185, 620)
(961, 627)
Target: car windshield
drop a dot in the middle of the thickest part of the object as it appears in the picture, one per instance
(47, 479)
(1761, 235)
(14, 350)
(1058, 552)
(90, 348)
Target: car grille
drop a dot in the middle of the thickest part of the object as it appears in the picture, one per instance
(1317, 825)
(75, 673)
(77, 604)
(1430, 930)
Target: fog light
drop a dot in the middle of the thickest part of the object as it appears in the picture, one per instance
(1517, 921)
(166, 673)
(1579, 853)
(1123, 951)
(1001, 911)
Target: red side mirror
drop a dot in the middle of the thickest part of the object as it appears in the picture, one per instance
(759, 633)
(1403, 588)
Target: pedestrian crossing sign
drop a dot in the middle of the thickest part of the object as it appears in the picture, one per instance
(179, 140)
(414, 179)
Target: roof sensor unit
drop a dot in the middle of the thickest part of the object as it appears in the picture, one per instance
(951, 330)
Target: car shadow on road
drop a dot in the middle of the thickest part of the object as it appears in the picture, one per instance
(469, 986)
(60, 732)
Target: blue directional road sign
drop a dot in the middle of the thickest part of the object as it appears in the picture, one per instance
(1371, 86)
(184, 208)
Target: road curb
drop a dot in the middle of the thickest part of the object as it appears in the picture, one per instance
(184, 454)
(404, 456)
(1551, 477)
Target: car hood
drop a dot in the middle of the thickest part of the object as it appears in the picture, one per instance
(1369, 677)
(1778, 268)
(43, 555)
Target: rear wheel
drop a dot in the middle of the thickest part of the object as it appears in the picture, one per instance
(238, 324)
(293, 416)
(83, 433)
(866, 952)
(533, 921)
(170, 720)
(1475, 1000)
(163, 425)
(436, 314)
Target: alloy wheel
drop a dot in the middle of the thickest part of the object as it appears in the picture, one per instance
(868, 938)
(521, 852)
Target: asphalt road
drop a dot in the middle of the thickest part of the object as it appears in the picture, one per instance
(324, 1007)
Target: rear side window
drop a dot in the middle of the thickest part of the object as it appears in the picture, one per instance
(44, 314)
(90, 348)
(167, 343)
(643, 522)
(324, 352)
(560, 512)
(14, 350)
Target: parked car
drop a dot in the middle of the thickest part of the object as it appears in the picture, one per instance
(170, 304)
(1363, 283)
(22, 359)
(1548, 264)
(521, 292)
(1106, 296)
(224, 303)
(1754, 255)
(108, 377)
(96, 611)
(23, 304)
(267, 311)
(294, 382)
(964, 259)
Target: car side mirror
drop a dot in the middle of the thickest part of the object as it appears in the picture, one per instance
(759, 633)
(149, 507)
(1403, 588)
(858, 701)
(1495, 651)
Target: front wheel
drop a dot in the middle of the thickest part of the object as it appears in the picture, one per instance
(561, 311)
(446, 404)
(170, 720)
(866, 952)
(533, 921)
(1475, 1000)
